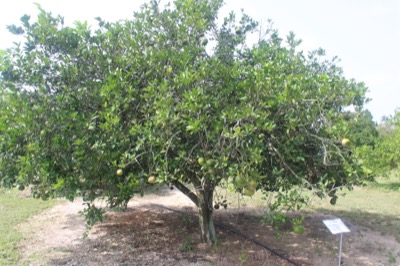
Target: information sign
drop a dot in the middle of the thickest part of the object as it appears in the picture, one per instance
(336, 226)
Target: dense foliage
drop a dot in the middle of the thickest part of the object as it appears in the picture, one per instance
(174, 95)
(362, 128)
(383, 157)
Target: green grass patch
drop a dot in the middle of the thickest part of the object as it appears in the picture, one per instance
(373, 206)
(390, 183)
(15, 209)
(376, 206)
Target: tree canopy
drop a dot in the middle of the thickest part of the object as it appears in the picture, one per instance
(362, 128)
(172, 93)
(384, 156)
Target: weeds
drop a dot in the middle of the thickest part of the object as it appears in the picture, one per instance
(242, 258)
(187, 221)
(276, 219)
(391, 258)
(297, 225)
(187, 244)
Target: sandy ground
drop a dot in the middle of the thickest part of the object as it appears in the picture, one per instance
(148, 235)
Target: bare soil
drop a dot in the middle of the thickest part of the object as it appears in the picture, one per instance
(147, 234)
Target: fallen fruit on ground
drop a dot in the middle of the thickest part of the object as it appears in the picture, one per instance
(120, 172)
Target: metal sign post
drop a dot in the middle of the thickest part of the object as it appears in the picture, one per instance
(336, 226)
(340, 249)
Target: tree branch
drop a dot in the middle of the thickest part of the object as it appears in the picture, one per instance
(192, 196)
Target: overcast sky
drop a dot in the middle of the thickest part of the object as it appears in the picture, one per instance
(365, 34)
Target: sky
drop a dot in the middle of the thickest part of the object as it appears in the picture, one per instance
(364, 34)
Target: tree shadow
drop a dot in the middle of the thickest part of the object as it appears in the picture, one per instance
(150, 235)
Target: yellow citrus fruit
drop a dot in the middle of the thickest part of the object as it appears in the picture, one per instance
(248, 192)
(252, 185)
(200, 160)
(151, 179)
(240, 181)
(345, 142)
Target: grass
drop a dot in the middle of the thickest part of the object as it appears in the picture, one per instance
(376, 206)
(391, 183)
(372, 208)
(15, 209)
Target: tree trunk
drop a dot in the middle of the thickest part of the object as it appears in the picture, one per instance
(205, 208)
(204, 202)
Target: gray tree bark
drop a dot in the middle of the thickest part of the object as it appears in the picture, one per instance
(203, 198)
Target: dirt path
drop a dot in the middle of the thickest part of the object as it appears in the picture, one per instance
(52, 234)
(145, 235)
(55, 233)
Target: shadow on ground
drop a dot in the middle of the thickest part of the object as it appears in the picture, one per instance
(149, 235)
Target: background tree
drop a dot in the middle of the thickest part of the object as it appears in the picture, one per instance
(384, 157)
(362, 128)
(174, 95)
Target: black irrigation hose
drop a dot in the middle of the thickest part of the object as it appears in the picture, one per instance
(255, 241)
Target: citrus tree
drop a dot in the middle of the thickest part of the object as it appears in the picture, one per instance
(172, 96)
